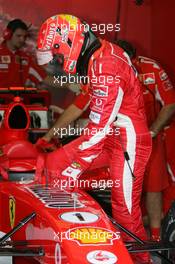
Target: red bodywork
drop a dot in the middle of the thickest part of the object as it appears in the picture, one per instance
(48, 229)
(71, 227)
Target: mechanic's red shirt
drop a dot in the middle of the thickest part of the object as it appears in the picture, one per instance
(17, 68)
(157, 88)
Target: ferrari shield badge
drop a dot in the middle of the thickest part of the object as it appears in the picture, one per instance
(12, 205)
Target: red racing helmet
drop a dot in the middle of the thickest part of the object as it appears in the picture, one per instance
(61, 35)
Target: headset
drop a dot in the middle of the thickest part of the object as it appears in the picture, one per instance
(12, 26)
(7, 34)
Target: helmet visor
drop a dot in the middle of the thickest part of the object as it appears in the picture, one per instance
(44, 56)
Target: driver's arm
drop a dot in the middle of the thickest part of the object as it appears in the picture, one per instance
(69, 115)
(52, 81)
(163, 118)
(73, 111)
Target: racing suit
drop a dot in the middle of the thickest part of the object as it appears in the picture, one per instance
(18, 69)
(117, 125)
(158, 92)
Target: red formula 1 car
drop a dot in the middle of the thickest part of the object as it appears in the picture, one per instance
(55, 226)
(40, 223)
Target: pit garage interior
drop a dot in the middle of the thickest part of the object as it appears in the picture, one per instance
(28, 114)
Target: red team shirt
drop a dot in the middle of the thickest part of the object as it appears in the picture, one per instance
(158, 92)
(17, 68)
(158, 89)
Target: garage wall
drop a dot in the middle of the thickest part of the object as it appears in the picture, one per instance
(136, 25)
(149, 26)
(163, 34)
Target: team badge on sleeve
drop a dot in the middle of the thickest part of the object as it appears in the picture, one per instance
(163, 75)
(6, 59)
(98, 103)
(12, 207)
(148, 78)
(95, 117)
(74, 170)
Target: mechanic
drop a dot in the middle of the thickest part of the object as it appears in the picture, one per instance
(159, 99)
(17, 68)
(117, 103)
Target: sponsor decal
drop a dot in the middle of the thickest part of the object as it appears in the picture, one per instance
(12, 208)
(57, 254)
(3, 66)
(54, 198)
(6, 59)
(71, 65)
(163, 75)
(100, 91)
(50, 35)
(71, 172)
(148, 78)
(167, 85)
(76, 165)
(37, 233)
(98, 103)
(79, 217)
(85, 236)
(64, 34)
(101, 257)
(95, 117)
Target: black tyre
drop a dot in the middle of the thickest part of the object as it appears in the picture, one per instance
(168, 232)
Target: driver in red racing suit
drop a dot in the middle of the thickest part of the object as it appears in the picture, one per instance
(117, 132)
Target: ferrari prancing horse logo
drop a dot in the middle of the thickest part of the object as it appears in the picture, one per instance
(12, 205)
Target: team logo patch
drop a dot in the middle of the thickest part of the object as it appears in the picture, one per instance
(163, 76)
(98, 103)
(79, 217)
(12, 208)
(101, 257)
(76, 165)
(100, 91)
(85, 236)
(64, 34)
(71, 65)
(148, 78)
(72, 171)
(95, 117)
(167, 85)
(6, 59)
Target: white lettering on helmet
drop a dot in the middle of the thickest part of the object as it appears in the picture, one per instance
(50, 36)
